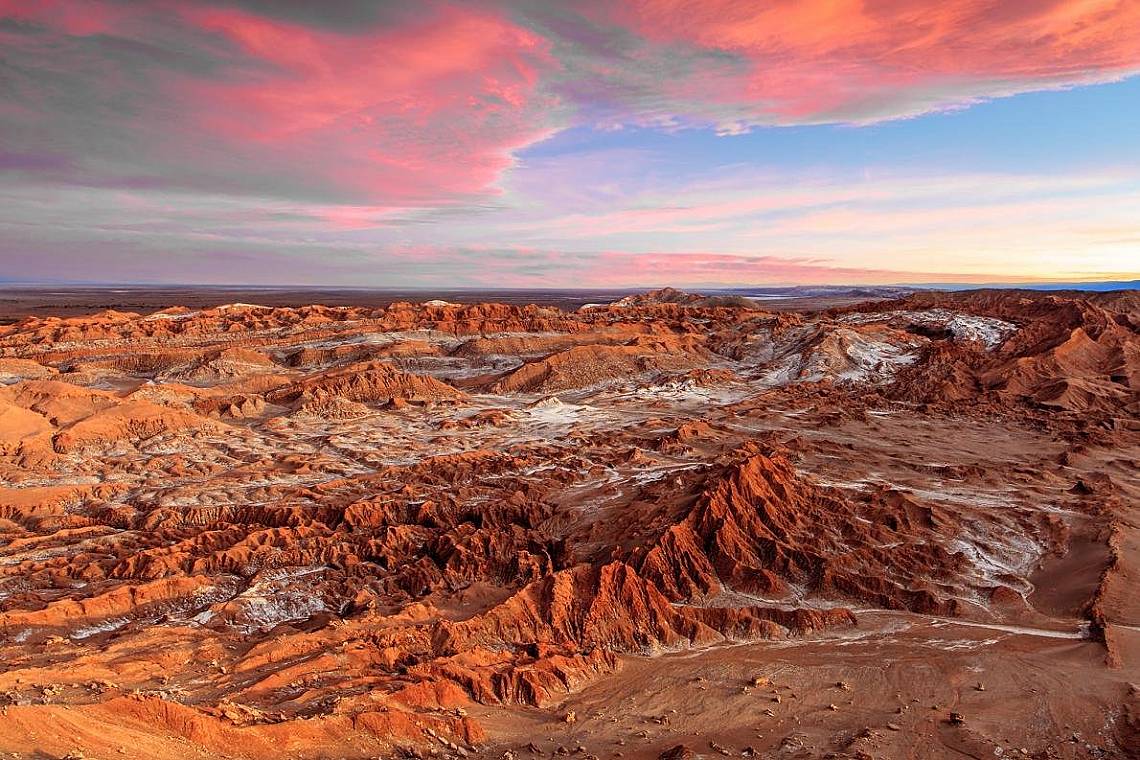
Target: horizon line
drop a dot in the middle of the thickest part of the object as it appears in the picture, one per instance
(1004, 285)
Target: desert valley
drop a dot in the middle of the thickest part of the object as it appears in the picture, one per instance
(670, 525)
(547, 380)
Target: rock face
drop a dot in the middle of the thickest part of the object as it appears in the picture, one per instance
(679, 752)
(1072, 354)
(343, 522)
(760, 529)
(366, 382)
(592, 365)
(672, 296)
(38, 415)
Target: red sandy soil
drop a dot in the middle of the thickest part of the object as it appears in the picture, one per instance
(672, 526)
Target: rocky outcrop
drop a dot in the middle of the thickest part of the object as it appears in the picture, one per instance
(365, 520)
(758, 528)
(39, 414)
(593, 365)
(1070, 352)
(367, 382)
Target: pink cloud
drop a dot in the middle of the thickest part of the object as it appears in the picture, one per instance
(424, 111)
(78, 19)
(429, 107)
(622, 268)
(857, 60)
(523, 267)
(650, 269)
(413, 114)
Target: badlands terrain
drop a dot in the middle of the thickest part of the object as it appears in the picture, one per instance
(669, 526)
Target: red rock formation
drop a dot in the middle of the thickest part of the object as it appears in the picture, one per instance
(1070, 352)
(366, 382)
(584, 366)
(295, 522)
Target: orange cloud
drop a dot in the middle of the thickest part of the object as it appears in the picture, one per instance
(864, 60)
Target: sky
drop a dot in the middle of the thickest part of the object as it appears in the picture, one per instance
(594, 143)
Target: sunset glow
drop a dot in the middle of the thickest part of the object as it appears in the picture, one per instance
(634, 143)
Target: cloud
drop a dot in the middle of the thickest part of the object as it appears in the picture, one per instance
(386, 104)
(357, 141)
(421, 112)
(655, 269)
(426, 112)
(741, 229)
(860, 61)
